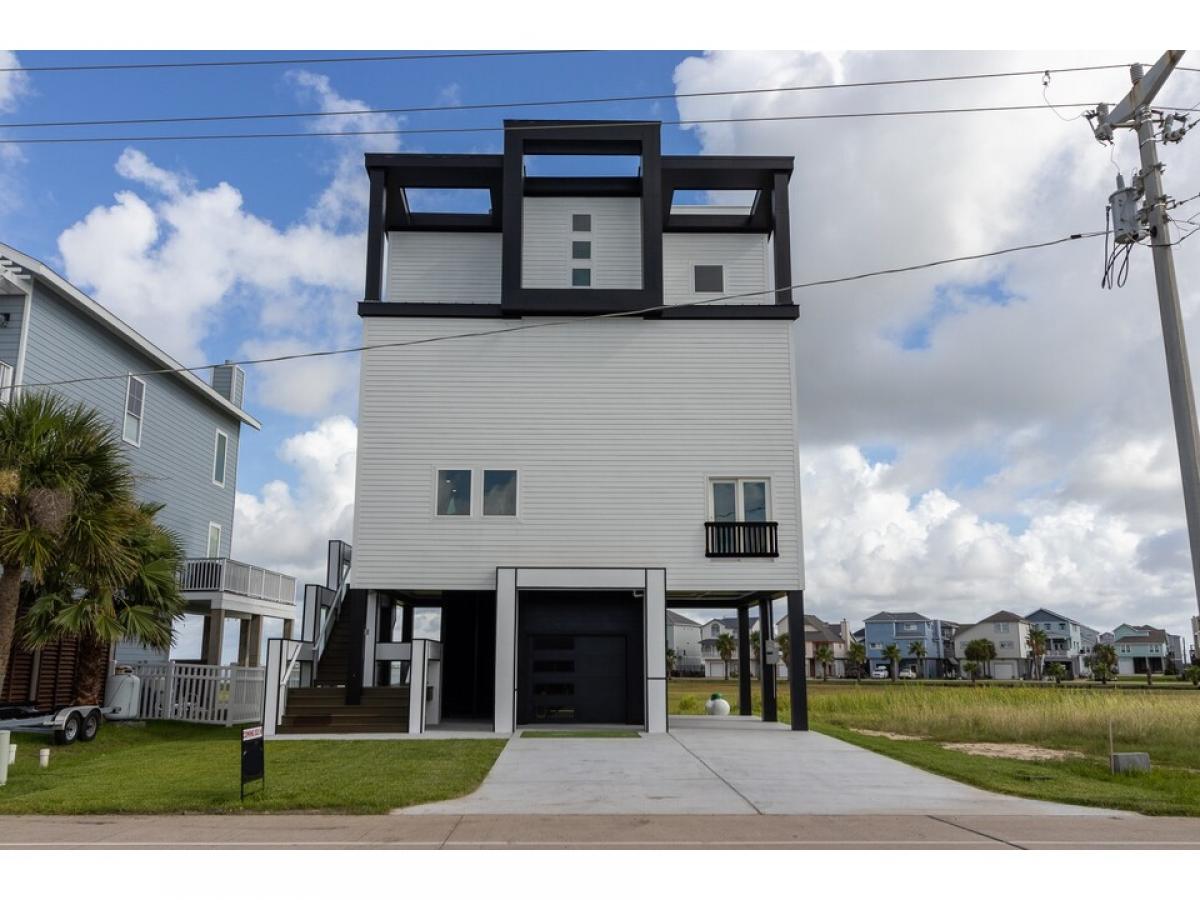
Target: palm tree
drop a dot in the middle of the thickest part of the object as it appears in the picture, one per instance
(1104, 660)
(1192, 674)
(671, 658)
(857, 654)
(100, 606)
(971, 667)
(892, 654)
(918, 649)
(824, 655)
(1036, 641)
(1057, 671)
(65, 496)
(981, 651)
(725, 649)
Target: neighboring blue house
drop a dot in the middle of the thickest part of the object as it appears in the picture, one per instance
(1067, 641)
(905, 628)
(1141, 649)
(180, 432)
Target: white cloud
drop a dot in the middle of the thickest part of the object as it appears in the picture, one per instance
(286, 525)
(1027, 408)
(302, 387)
(13, 84)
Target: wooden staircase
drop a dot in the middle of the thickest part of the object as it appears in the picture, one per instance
(335, 659)
(323, 710)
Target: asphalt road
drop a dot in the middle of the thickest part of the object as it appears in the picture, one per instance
(858, 832)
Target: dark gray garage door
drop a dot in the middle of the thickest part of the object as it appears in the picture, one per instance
(580, 658)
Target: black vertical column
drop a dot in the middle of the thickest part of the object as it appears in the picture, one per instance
(745, 699)
(766, 631)
(782, 238)
(354, 608)
(797, 676)
(373, 289)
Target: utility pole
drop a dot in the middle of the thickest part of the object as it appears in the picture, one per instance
(1134, 112)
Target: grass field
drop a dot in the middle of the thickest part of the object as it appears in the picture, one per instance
(1164, 723)
(172, 767)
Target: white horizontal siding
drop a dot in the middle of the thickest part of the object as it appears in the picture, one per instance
(614, 427)
(616, 238)
(743, 256)
(443, 267)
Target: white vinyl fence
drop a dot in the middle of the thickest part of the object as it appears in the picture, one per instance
(190, 692)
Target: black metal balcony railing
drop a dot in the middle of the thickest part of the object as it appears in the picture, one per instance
(734, 539)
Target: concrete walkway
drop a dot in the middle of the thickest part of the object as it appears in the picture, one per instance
(721, 767)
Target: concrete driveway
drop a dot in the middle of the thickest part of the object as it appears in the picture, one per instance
(727, 766)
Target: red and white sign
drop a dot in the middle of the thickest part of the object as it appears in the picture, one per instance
(249, 734)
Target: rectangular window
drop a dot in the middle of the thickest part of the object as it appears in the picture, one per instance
(581, 278)
(739, 500)
(499, 492)
(581, 222)
(220, 450)
(6, 382)
(581, 249)
(135, 407)
(710, 279)
(214, 540)
(454, 492)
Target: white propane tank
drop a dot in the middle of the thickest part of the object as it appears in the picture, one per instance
(123, 694)
(717, 706)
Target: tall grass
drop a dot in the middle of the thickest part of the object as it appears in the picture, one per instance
(1165, 723)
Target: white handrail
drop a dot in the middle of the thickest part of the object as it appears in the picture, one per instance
(334, 607)
(287, 673)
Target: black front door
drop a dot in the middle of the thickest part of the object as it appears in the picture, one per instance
(580, 658)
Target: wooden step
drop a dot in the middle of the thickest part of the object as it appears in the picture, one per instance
(377, 728)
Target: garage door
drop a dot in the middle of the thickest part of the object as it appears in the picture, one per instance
(580, 658)
(1004, 671)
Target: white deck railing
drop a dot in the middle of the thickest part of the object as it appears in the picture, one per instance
(190, 692)
(229, 575)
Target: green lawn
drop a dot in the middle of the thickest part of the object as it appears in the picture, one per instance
(1164, 723)
(172, 767)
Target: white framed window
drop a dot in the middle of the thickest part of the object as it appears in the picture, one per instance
(500, 492)
(214, 540)
(135, 411)
(6, 382)
(220, 457)
(581, 222)
(1002, 627)
(709, 279)
(453, 495)
(739, 500)
(581, 278)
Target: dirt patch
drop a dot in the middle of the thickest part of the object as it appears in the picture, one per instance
(890, 735)
(1026, 752)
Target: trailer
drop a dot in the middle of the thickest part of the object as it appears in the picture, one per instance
(67, 724)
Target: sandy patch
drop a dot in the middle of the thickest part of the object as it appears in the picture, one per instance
(1026, 752)
(890, 735)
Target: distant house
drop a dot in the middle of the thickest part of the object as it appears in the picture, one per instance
(180, 435)
(1140, 649)
(1067, 642)
(1177, 650)
(1196, 638)
(683, 636)
(1009, 633)
(816, 634)
(714, 666)
(904, 629)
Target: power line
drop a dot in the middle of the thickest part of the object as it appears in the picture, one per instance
(484, 129)
(570, 101)
(558, 323)
(297, 61)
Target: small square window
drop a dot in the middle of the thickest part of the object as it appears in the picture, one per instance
(454, 492)
(581, 278)
(581, 249)
(499, 492)
(710, 279)
(581, 222)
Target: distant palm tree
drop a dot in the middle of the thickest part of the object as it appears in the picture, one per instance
(971, 667)
(1192, 674)
(918, 649)
(856, 653)
(824, 655)
(1036, 641)
(671, 658)
(1057, 671)
(1103, 661)
(725, 649)
(892, 654)
(981, 651)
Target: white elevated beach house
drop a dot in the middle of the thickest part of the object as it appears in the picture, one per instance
(578, 412)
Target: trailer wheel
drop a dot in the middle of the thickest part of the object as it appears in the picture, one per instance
(70, 731)
(91, 726)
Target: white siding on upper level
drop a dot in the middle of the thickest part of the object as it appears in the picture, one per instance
(616, 238)
(443, 267)
(743, 256)
(614, 426)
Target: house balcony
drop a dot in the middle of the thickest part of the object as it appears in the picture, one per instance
(237, 587)
(733, 540)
